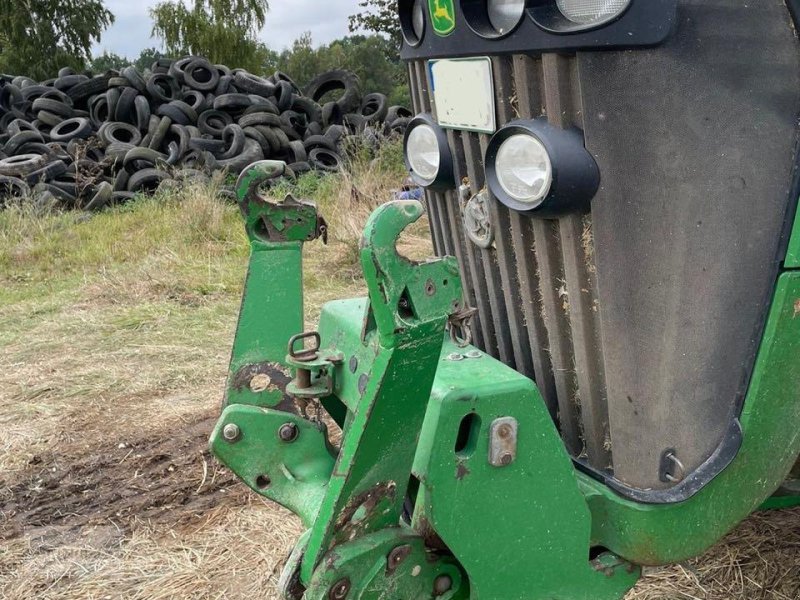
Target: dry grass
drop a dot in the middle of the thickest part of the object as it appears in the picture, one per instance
(115, 331)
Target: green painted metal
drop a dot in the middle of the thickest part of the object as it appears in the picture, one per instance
(387, 564)
(272, 307)
(409, 305)
(654, 535)
(416, 412)
(293, 473)
(521, 531)
(793, 256)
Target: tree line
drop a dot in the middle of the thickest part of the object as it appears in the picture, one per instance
(38, 37)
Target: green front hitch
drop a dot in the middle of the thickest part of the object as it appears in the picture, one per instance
(450, 480)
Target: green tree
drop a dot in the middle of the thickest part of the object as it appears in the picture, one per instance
(40, 36)
(378, 16)
(224, 31)
(146, 59)
(108, 61)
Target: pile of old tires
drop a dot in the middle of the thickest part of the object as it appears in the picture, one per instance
(89, 141)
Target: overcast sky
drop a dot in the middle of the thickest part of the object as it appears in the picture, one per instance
(287, 19)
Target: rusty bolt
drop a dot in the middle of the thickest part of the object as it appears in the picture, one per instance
(288, 432)
(504, 431)
(396, 557)
(339, 590)
(231, 432)
(507, 459)
(442, 585)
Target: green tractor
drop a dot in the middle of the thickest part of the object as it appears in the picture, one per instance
(602, 370)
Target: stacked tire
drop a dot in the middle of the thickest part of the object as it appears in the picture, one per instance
(89, 141)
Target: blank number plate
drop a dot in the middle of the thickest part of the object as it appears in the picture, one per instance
(463, 90)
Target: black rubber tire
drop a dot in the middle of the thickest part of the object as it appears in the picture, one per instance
(141, 107)
(126, 111)
(47, 173)
(13, 187)
(69, 81)
(325, 160)
(308, 107)
(296, 152)
(163, 88)
(19, 140)
(135, 80)
(83, 91)
(77, 128)
(397, 112)
(234, 139)
(375, 107)
(55, 107)
(101, 198)
(180, 112)
(21, 165)
(346, 81)
(213, 123)
(284, 94)
(279, 76)
(232, 103)
(252, 84)
(250, 154)
(201, 75)
(123, 133)
(261, 118)
(197, 100)
(262, 106)
(299, 168)
(319, 141)
(146, 180)
(159, 133)
(138, 159)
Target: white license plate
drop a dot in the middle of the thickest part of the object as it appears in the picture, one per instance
(463, 90)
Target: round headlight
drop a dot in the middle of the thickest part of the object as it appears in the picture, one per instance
(524, 169)
(505, 15)
(418, 19)
(422, 150)
(427, 153)
(592, 12)
(412, 20)
(534, 167)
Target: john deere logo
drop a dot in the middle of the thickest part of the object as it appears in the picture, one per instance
(443, 16)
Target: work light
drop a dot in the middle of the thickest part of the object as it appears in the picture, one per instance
(536, 168)
(412, 20)
(592, 12)
(493, 19)
(427, 154)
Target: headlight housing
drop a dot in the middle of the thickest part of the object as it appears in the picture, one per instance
(413, 21)
(427, 154)
(572, 16)
(536, 168)
(494, 19)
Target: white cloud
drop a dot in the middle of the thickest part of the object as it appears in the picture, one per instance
(286, 21)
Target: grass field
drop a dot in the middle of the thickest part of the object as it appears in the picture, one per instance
(115, 332)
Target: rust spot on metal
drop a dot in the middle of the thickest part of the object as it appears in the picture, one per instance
(427, 533)
(265, 377)
(461, 471)
(796, 308)
(397, 557)
(366, 504)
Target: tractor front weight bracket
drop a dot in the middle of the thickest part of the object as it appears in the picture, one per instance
(450, 480)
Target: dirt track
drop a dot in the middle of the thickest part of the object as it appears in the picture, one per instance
(135, 480)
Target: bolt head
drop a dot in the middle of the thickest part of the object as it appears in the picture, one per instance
(507, 459)
(442, 585)
(288, 432)
(339, 590)
(231, 432)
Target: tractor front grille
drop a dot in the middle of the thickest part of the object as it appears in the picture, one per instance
(536, 288)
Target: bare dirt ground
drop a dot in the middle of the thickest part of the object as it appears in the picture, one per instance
(114, 340)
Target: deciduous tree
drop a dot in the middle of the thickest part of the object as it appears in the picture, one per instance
(378, 16)
(224, 31)
(40, 36)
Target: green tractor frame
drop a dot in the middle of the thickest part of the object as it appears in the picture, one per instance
(601, 371)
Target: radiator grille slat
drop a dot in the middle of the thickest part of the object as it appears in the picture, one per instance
(535, 289)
